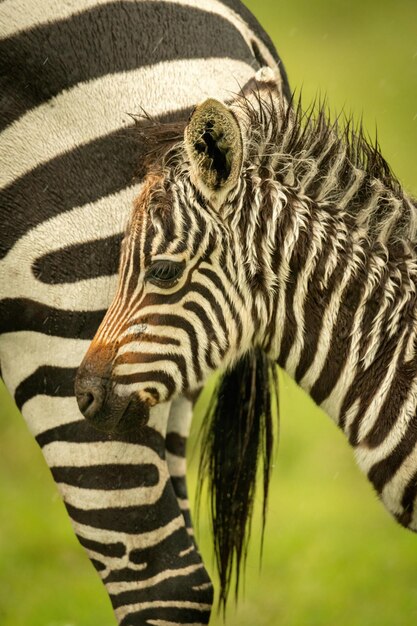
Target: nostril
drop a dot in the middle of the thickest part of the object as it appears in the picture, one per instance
(85, 401)
(90, 397)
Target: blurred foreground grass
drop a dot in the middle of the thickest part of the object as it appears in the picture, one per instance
(331, 555)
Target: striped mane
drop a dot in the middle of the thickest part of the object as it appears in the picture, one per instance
(335, 164)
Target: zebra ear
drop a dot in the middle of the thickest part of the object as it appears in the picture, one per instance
(213, 142)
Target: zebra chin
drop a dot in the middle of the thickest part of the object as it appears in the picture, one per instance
(107, 411)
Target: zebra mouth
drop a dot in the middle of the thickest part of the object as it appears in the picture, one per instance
(135, 415)
(120, 416)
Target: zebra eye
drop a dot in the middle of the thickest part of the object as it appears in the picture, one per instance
(164, 273)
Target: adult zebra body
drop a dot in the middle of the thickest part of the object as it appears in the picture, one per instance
(69, 75)
(305, 248)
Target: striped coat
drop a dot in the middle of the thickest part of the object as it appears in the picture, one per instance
(70, 75)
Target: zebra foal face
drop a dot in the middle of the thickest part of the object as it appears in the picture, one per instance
(184, 305)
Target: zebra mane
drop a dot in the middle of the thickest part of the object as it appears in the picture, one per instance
(311, 134)
(333, 163)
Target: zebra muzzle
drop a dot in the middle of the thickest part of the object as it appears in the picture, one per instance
(104, 409)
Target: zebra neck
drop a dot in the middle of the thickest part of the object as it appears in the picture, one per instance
(342, 301)
(344, 326)
(349, 332)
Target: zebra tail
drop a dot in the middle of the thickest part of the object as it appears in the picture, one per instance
(237, 433)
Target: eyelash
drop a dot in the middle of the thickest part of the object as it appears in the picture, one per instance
(164, 273)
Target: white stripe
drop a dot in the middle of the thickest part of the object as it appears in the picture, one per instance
(131, 541)
(127, 390)
(385, 388)
(115, 588)
(32, 350)
(300, 297)
(70, 454)
(44, 412)
(184, 504)
(122, 611)
(177, 465)
(95, 108)
(393, 491)
(91, 499)
(164, 364)
(332, 405)
(326, 333)
(367, 457)
(180, 415)
(113, 563)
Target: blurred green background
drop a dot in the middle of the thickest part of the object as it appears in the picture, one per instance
(332, 555)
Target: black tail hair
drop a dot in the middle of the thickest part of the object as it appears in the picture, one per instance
(238, 431)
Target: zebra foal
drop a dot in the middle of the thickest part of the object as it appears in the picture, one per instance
(263, 227)
(70, 72)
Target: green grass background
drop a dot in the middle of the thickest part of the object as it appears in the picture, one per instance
(332, 555)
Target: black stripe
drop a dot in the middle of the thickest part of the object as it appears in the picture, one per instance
(297, 264)
(24, 314)
(186, 225)
(39, 63)
(199, 233)
(176, 321)
(152, 376)
(179, 588)
(383, 471)
(82, 432)
(408, 501)
(106, 549)
(176, 542)
(144, 357)
(209, 331)
(314, 306)
(79, 262)
(98, 565)
(341, 341)
(214, 305)
(130, 519)
(365, 385)
(91, 171)
(108, 477)
(46, 380)
(179, 485)
(374, 304)
(176, 444)
(215, 279)
(399, 389)
(170, 615)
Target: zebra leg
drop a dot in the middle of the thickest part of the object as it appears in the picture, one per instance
(179, 424)
(121, 501)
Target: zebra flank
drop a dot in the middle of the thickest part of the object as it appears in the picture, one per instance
(300, 242)
(74, 76)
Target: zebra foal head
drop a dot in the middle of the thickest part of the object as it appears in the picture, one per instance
(192, 282)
